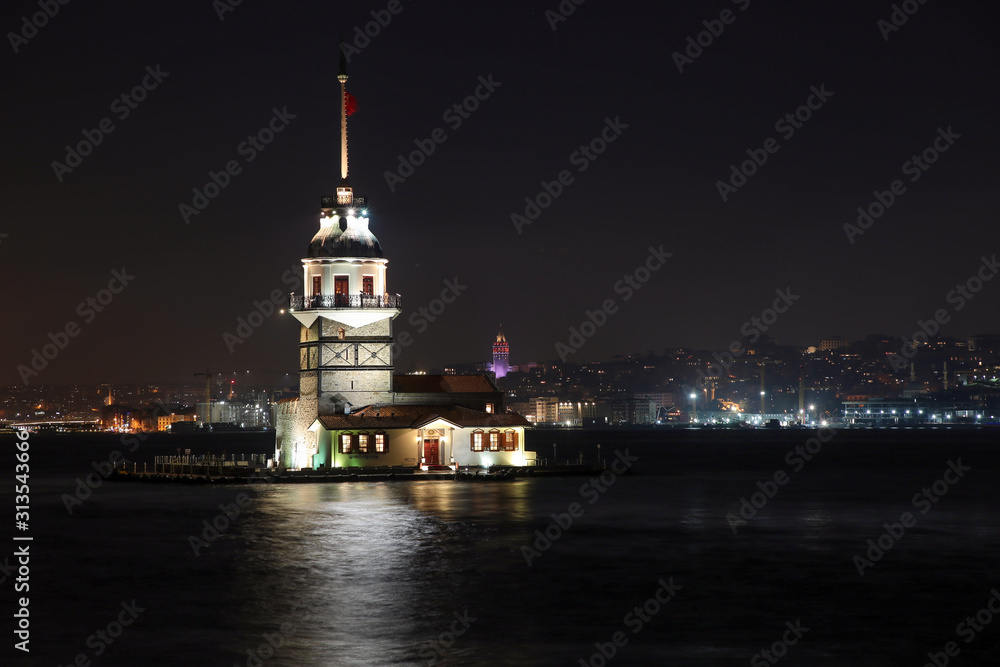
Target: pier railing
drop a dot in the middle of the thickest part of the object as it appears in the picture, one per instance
(209, 464)
(301, 302)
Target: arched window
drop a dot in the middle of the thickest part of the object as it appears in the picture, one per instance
(510, 440)
(477, 440)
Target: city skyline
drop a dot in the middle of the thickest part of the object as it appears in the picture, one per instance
(951, 375)
(652, 185)
(899, 361)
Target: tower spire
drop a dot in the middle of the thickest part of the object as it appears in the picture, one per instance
(345, 195)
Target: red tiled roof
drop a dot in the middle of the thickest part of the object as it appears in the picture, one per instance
(356, 420)
(415, 416)
(456, 384)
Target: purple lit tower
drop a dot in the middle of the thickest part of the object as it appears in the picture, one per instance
(501, 355)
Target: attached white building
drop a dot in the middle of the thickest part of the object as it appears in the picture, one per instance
(427, 436)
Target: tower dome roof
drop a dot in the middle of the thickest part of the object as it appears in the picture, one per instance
(342, 233)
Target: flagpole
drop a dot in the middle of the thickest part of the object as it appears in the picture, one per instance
(344, 194)
(342, 77)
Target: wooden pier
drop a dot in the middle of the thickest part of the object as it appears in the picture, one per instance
(250, 472)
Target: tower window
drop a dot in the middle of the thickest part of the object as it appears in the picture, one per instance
(317, 285)
(368, 285)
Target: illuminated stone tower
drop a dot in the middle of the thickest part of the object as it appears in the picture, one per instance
(501, 355)
(346, 313)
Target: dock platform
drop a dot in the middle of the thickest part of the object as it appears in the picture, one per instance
(247, 475)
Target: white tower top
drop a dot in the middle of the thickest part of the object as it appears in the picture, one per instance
(344, 271)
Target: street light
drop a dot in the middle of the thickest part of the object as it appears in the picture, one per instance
(694, 407)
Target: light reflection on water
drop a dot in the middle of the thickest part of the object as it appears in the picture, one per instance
(372, 565)
(382, 568)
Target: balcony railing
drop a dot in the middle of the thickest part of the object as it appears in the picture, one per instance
(300, 302)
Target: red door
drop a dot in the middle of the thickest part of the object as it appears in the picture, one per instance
(431, 452)
(340, 290)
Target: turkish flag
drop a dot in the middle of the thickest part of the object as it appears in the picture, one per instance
(350, 103)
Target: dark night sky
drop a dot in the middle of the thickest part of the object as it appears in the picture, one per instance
(656, 184)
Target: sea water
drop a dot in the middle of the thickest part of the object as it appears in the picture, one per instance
(653, 566)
